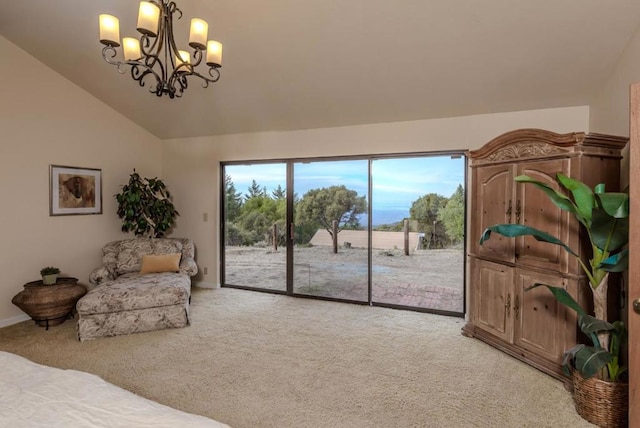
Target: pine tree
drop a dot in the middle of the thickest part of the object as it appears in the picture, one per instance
(255, 191)
(234, 199)
(278, 193)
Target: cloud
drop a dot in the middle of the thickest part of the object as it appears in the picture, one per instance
(397, 182)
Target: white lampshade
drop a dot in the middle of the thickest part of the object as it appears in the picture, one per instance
(148, 18)
(214, 53)
(109, 30)
(131, 48)
(198, 33)
(183, 58)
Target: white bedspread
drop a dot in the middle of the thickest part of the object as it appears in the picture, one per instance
(32, 395)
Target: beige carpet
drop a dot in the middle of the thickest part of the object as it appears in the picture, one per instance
(258, 360)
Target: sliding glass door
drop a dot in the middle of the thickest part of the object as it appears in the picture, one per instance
(330, 255)
(254, 212)
(386, 231)
(418, 232)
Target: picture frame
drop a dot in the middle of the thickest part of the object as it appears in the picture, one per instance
(74, 190)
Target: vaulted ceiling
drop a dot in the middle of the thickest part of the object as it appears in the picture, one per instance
(298, 64)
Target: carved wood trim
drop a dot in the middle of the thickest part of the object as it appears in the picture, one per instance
(534, 137)
(524, 150)
(532, 143)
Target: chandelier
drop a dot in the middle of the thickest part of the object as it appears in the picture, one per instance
(155, 56)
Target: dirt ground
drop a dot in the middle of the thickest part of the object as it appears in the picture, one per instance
(426, 278)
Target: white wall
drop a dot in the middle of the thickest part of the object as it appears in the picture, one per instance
(45, 119)
(610, 110)
(191, 166)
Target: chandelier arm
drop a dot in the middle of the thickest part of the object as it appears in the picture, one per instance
(172, 8)
(197, 56)
(109, 52)
(138, 75)
(164, 32)
(150, 50)
(146, 47)
(172, 48)
(138, 69)
(177, 84)
(215, 74)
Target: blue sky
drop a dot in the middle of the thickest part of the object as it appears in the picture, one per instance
(396, 182)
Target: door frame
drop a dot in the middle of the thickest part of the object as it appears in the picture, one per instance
(634, 256)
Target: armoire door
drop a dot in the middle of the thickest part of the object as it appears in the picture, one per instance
(493, 202)
(543, 325)
(492, 297)
(534, 208)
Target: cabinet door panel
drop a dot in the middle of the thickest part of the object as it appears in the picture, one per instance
(492, 285)
(535, 209)
(492, 204)
(542, 325)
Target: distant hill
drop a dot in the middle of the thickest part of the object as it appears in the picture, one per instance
(381, 217)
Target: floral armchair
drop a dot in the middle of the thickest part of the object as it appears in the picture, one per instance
(143, 284)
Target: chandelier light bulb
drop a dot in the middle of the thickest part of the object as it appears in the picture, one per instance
(214, 53)
(109, 30)
(183, 60)
(131, 48)
(198, 33)
(148, 18)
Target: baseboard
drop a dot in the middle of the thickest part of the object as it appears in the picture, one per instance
(201, 284)
(14, 320)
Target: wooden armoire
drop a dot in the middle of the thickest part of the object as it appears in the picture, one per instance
(530, 325)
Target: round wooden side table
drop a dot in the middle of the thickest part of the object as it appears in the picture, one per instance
(50, 305)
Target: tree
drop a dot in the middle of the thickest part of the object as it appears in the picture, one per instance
(234, 199)
(323, 206)
(255, 190)
(257, 217)
(425, 211)
(279, 193)
(452, 216)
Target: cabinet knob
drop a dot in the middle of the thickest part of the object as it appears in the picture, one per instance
(636, 305)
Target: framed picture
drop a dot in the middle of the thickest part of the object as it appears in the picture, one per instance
(74, 190)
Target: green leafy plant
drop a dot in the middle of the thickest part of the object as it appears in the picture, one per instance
(49, 270)
(605, 218)
(145, 207)
(591, 360)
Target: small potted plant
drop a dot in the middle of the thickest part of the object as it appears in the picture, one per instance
(49, 275)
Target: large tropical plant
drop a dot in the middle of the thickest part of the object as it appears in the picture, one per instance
(604, 216)
(145, 207)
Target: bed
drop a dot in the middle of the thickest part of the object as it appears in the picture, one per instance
(33, 395)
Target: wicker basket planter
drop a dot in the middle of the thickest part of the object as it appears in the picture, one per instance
(50, 305)
(602, 403)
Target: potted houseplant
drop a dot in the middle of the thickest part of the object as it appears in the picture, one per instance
(49, 275)
(604, 218)
(145, 207)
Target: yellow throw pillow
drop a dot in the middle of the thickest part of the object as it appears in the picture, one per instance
(156, 263)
